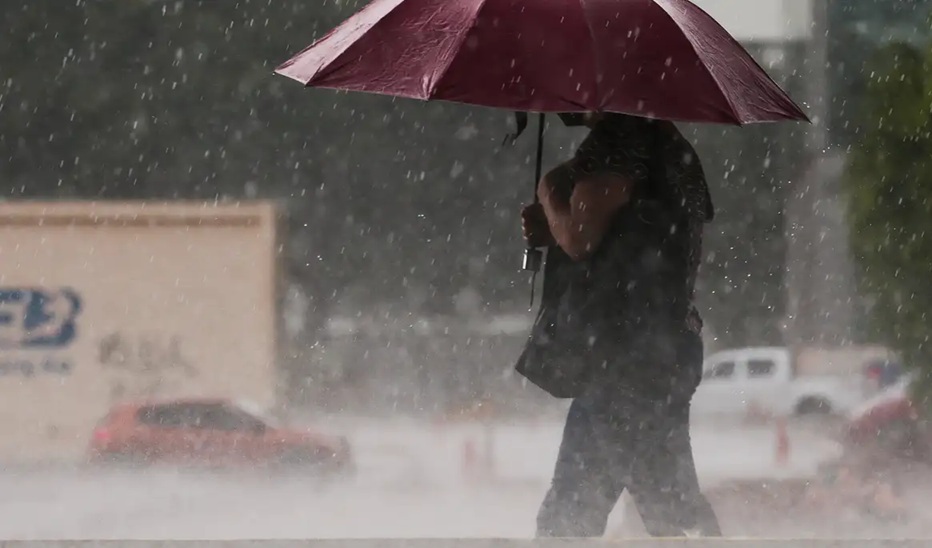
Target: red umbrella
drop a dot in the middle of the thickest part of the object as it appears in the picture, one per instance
(658, 58)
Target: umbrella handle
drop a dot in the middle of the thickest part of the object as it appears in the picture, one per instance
(534, 258)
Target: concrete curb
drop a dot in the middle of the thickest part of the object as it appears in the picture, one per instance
(469, 543)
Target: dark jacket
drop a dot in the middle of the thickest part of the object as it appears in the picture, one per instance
(616, 316)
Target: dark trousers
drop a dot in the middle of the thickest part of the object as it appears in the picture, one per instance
(617, 439)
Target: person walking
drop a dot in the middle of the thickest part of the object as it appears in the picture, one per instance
(622, 221)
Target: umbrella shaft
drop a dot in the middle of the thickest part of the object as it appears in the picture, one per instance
(538, 167)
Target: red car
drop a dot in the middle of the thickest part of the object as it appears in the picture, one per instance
(890, 419)
(210, 432)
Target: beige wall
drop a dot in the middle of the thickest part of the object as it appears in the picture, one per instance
(175, 299)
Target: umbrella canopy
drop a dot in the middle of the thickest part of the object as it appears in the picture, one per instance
(656, 58)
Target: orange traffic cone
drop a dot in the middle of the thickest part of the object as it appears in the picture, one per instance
(783, 443)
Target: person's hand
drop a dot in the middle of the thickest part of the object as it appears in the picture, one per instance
(534, 226)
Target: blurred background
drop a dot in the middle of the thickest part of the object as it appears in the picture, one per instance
(178, 224)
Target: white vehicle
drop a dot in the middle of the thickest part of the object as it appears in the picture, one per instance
(778, 381)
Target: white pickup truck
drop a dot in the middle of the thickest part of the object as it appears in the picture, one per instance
(779, 381)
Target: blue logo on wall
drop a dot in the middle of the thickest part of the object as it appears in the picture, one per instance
(39, 319)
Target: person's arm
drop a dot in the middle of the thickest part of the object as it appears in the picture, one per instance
(579, 219)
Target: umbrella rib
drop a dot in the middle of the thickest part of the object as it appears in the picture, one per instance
(736, 118)
(595, 52)
(459, 44)
(734, 114)
(736, 43)
(281, 69)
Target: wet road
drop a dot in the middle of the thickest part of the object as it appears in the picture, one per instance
(412, 483)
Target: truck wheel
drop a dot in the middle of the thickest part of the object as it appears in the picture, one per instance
(813, 406)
